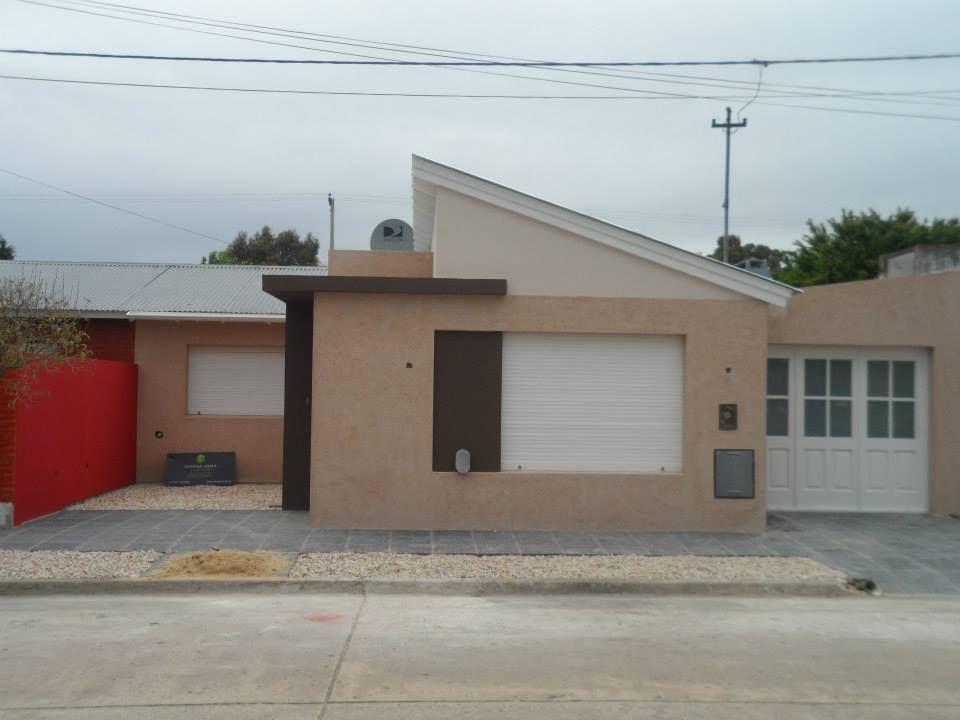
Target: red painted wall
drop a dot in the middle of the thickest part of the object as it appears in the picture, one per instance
(110, 339)
(75, 437)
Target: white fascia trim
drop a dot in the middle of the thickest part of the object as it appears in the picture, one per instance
(209, 316)
(102, 314)
(707, 269)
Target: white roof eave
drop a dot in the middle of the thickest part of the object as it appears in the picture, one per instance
(207, 316)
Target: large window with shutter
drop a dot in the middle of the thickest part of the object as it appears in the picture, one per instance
(235, 381)
(592, 403)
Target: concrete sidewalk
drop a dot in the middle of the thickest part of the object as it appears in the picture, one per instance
(901, 553)
(342, 657)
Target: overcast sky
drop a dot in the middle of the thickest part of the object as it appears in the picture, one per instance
(221, 162)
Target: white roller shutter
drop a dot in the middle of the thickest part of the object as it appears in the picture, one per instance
(592, 403)
(235, 381)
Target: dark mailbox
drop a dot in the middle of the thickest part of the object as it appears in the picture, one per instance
(204, 468)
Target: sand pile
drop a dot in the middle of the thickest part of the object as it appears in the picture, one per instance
(225, 564)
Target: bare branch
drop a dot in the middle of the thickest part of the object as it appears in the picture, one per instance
(39, 331)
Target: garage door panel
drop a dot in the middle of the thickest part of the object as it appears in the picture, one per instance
(778, 469)
(857, 429)
(877, 476)
(905, 471)
(814, 473)
(592, 403)
(842, 471)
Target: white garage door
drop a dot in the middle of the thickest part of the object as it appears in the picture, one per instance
(235, 381)
(592, 403)
(847, 429)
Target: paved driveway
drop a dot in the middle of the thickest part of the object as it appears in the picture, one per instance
(901, 553)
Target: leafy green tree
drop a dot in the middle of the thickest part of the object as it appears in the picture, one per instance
(738, 251)
(267, 248)
(7, 251)
(850, 248)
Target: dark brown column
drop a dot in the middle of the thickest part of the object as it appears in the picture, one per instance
(466, 399)
(298, 387)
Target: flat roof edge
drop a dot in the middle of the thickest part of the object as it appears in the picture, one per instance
(288, 287)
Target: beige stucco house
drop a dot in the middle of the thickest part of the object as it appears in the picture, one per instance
(598, 379)
(594, 378)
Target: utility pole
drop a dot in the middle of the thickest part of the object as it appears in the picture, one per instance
(330, 203)
(728, 125)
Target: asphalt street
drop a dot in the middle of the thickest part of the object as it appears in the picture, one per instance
(339, 657)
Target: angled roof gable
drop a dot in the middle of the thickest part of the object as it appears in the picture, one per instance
(429, 175)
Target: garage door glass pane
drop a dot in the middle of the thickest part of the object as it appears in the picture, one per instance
(840, 373)
(903, 379)
(815, 418)
(840, 413)
(903, 419)
(777, 374)
(877, 420)
(778, 424)
(815, 377)
(878, 381)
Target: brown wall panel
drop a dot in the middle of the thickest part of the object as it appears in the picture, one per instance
(466, 399)
(297, 391)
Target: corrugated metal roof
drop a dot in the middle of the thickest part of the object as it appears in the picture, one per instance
(156, 287)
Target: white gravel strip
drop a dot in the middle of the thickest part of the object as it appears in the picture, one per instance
(70, 564)
(619, 567)
(144, 496)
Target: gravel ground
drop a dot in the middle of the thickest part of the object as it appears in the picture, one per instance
(199, 497)
(621, 567)
(36, 564)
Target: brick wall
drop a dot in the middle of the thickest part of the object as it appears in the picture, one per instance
(8, 437)
(110, 339)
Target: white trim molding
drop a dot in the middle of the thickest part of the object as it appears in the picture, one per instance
(208, 316)
(428, 175)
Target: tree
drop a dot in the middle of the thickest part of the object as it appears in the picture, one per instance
(7, 251)
(737, 251)
(38, 332)
(265, 248)
(850, 248)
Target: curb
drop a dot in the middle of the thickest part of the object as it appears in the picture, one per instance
(146, 586)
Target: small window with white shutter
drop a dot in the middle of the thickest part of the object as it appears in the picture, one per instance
(235, 381)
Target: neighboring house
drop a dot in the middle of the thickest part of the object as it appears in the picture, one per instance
(597, 378)
(209, 346)
(920, 260)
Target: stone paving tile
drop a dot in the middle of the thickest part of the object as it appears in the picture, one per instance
(494, 542)
(902, 553)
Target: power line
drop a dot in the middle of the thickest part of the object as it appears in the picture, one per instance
(488, 63)
(462, 96)
(358, 93)
(440, 52)
(114, 207)
(310, 197)
(315, 49)
(414, 49)
(879, 113)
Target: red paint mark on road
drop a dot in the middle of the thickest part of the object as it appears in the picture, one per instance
(321, 618)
